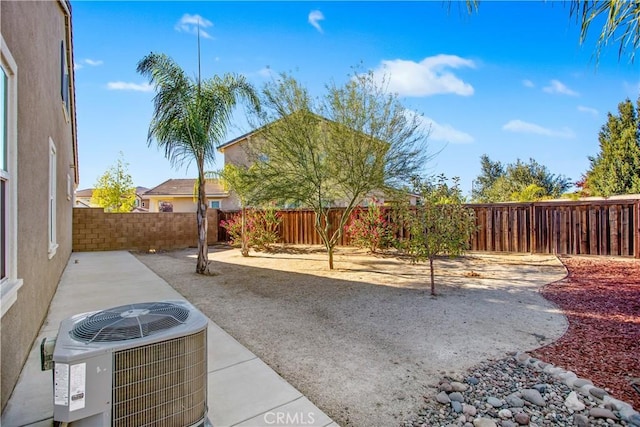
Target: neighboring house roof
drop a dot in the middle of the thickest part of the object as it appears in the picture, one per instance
(185, 187)
(88, 192)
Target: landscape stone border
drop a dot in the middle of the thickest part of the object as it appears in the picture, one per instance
(586, 388)
(521, 390)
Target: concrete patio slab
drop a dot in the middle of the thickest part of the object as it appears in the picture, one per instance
(300, 411)
(238, 389)
(241, 387)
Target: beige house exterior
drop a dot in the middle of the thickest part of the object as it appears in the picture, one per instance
(177, 195)
(142, 201)
(83, 199)
(235, 152)
(38, 173)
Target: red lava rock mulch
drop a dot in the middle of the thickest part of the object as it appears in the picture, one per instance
(601, 299)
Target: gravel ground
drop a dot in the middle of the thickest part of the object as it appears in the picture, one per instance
(366, 342)
(519, 391)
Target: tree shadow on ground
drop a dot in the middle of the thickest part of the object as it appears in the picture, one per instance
(365, 352)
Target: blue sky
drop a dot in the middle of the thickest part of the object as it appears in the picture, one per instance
(510, 81)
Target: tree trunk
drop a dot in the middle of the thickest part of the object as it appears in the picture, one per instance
(433, 284)
(201, 216)
(330, 251)
(245, 239)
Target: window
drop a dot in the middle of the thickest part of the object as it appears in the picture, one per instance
(53, 243)
(214, 204)
(64, 76)
(4, 173)
(9, 282)
(165, 206)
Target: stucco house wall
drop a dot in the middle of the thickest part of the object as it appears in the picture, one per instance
(236, 153)
(38, 37)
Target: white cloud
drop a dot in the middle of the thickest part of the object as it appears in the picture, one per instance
(440, 132)
(315, 16)
(266, 73)
(93, 62)
(556, 86)
(588, 110)
(528, 83)
(137, 87)
(520, 126)
(189, 24)
(431, 76)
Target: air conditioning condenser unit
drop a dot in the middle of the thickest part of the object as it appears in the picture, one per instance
(142, 364)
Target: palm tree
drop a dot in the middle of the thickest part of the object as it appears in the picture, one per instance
(190, 119)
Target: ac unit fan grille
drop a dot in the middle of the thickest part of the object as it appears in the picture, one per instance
(162, 384)
(129, 322)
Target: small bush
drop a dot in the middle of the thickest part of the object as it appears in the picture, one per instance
(368, 228)
(261, 228)
(234, 230)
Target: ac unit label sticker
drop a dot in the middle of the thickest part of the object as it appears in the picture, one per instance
(77, 386)
(61, 386)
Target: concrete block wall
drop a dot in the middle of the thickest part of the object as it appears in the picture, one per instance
(95, 230)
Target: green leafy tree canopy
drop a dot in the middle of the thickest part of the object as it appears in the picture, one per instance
(519, 181)
(440, 224)
(334, 150)
(114, 190)
(616, 168)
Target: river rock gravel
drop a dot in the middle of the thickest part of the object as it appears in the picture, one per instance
(521, 391)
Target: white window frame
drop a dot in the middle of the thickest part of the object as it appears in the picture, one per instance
(10, 284)
(53, 202)
(211, 202)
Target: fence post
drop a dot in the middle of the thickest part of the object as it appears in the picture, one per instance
(532, 228)
(636, 229)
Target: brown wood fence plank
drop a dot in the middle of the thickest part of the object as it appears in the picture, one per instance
(490, 232)
(603, 231)
(636, 229)
(593, 230)
(613, 227)
(624, 231)
(584, 231)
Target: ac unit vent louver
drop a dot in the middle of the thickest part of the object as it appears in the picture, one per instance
(129, 322)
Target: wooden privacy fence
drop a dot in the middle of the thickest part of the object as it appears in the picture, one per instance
(297, 226)
(603, 227)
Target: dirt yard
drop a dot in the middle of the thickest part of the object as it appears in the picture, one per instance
(366, 341)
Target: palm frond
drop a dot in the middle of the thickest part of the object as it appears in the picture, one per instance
(621, 23)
